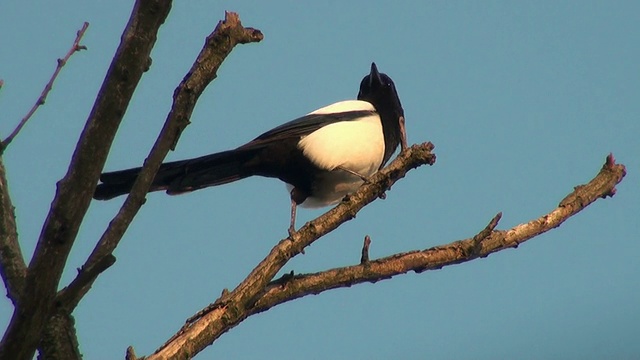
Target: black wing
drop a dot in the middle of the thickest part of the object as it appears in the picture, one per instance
(304, 126)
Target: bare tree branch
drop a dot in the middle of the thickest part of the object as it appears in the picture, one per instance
(217, 47)
(486, 242)
(227, 312)
(231, 308)
(43, 96)
(75, 190)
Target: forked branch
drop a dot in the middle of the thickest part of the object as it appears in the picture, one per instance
(483, 244)
(232, 308)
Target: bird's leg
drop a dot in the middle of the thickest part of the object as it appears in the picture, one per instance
(403, 135)
(297, 198)
(292, 225)
(364, 178)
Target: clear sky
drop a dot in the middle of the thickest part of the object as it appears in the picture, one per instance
(523, 101)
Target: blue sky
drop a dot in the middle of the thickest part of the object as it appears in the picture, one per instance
(523, 101)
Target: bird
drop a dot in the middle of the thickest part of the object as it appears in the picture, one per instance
(321, 157)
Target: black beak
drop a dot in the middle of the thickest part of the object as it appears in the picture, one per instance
(374, 76)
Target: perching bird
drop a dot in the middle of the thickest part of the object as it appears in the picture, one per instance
(322, 156)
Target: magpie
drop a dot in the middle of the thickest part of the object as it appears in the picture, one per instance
(322, 156)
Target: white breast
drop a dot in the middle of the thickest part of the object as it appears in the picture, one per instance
(357, 145)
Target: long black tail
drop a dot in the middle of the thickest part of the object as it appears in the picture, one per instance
(181, 176)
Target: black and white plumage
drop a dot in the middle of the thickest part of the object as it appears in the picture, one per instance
(321, 156)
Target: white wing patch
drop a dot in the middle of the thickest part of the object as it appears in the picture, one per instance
(357, 145)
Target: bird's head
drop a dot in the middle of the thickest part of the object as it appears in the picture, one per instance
(378, 89)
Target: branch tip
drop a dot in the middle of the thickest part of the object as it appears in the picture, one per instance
(429, 146)
(610, 161)
(130, 354)
(485, 233)
(495, 220)
(231, 17)
(365, 250)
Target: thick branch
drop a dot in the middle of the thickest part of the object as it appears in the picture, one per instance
(43, 96)
(59, 340)
(217, 47)
(75, 190)
(231, 308)
(12, 266)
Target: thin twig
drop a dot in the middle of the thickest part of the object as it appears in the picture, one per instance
(43, 96)
(364, 258)
(485, 233)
